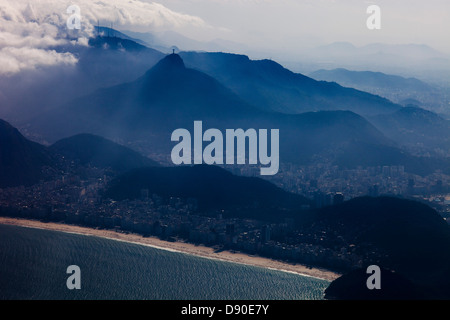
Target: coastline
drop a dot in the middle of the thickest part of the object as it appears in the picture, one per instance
(178, 246)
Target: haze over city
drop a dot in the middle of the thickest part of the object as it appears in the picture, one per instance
(149, 122)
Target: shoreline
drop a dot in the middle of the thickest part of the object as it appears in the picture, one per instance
(178, 246)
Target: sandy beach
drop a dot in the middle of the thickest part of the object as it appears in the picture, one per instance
(178, 246)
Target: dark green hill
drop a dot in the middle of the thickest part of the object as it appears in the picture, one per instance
(352, 286)
(410, 237)
(21, 160)
(213, 187)
(93, 150)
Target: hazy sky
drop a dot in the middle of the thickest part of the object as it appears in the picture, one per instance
(29, 28)
(294, 24)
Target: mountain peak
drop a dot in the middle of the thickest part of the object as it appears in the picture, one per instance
(167, 67)
(172, 61)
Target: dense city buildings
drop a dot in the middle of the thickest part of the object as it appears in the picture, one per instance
(77, 198)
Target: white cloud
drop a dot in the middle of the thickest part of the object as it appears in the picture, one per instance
(13, 60)
(136, 14)
(29, 30)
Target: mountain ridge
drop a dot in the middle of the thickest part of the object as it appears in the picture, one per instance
(361, 79)
(21, 160)
(410, 236)
(270, 86)
(171, 95)
(416, 128)
(24, 162)
(97, 151)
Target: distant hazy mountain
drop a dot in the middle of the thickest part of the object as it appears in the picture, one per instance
(93, 150)
(115, 43)
(215, 189)
(402, 59)
(106, 32)
(410, 101)
(368, 80)
(21, 160)
(269, 86)
(416, 128)
(170, 96)
(398, 89)
(149, 39)
(416, 51)
(413, 239)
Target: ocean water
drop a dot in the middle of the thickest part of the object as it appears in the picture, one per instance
(33, 264)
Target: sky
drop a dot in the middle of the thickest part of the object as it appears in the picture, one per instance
(294, 24)
(29, 29)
